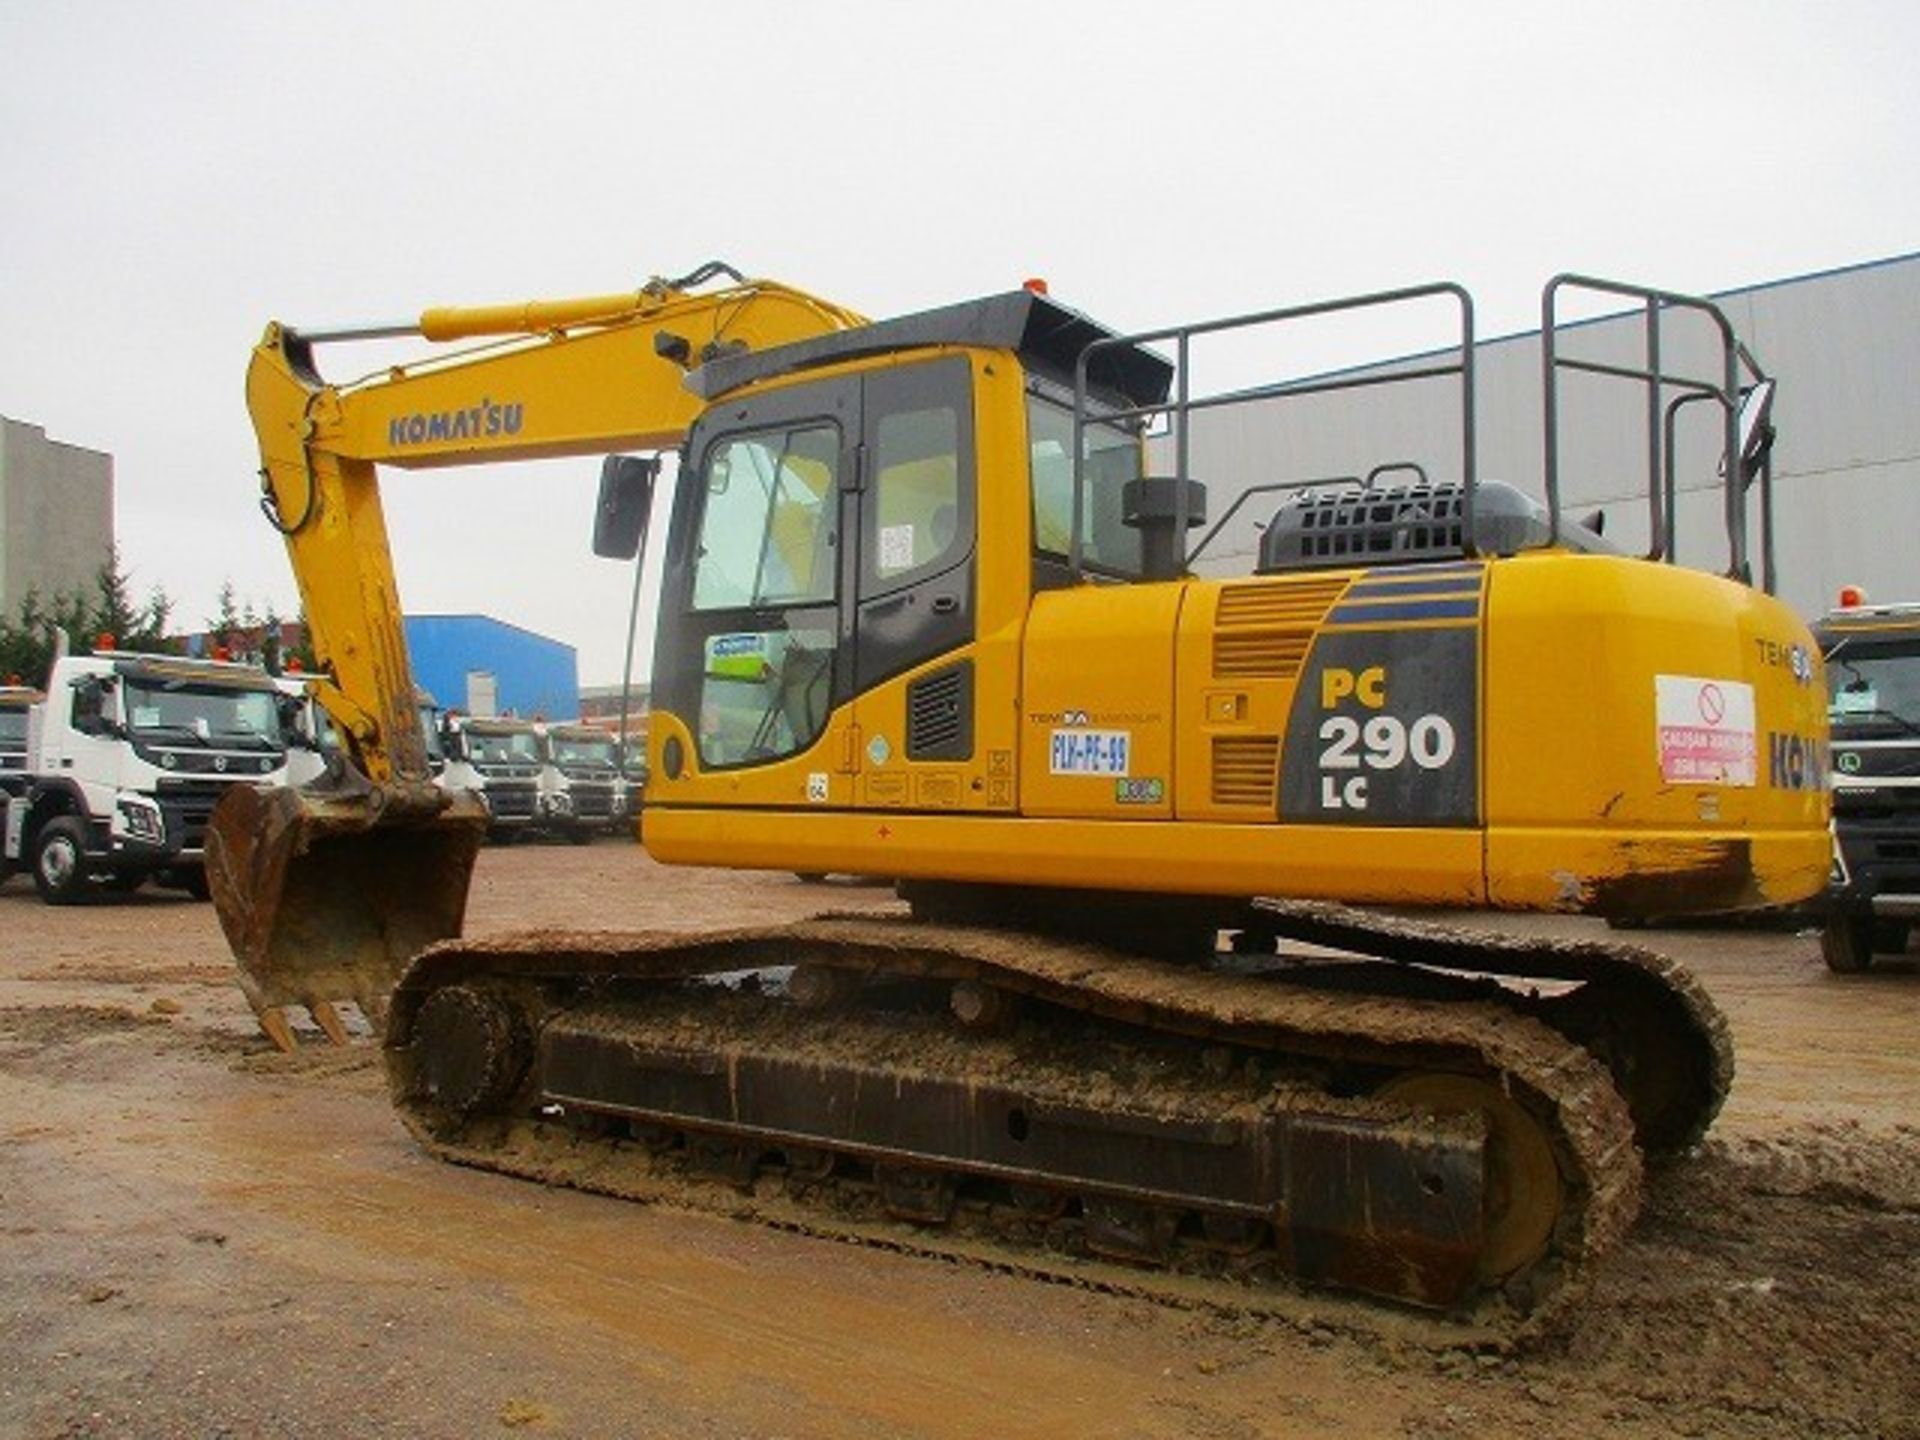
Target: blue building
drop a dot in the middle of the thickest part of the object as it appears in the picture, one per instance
(480, 665)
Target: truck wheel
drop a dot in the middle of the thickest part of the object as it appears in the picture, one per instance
(1890, 937)
(580, 835)
(194, 882)
(1846, 943)
(60, 861)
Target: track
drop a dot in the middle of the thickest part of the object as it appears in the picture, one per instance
(1272, 1110)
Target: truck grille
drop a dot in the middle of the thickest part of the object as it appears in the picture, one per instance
(187, 805)
(592, 802)
(511, 801)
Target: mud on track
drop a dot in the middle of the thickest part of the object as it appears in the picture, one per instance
(198, 1236)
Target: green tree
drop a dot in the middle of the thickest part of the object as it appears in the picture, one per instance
(224, 628)
(133, 627)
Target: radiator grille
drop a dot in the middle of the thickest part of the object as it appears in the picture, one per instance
(1266, 630)
(1246, 770)
(940, 715)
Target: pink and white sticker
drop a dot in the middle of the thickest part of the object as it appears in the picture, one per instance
(1706, 730)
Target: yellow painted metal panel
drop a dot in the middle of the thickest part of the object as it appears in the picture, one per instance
(1579, 738)
(1097, 702)
(1384, 865)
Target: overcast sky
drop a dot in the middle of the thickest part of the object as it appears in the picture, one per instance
(175, 175)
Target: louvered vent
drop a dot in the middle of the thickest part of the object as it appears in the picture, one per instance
(940, 715)
(1265, 630)
(1246, 770)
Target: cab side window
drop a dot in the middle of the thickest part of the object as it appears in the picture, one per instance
(916, 493)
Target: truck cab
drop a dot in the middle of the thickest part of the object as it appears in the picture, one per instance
(126, 758)
(1873, 683)
(632, 785)
(582, 793)
(433, 721)
(309, 733)
(15, 703)
(500, 760)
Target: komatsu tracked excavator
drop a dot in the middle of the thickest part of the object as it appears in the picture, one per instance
(930, 611)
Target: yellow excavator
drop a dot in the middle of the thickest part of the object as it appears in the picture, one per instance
(931, 610)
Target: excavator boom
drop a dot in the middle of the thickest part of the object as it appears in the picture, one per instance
(324, 893)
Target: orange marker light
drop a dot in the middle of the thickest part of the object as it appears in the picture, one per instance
(1035, 285)
(103, 641)
(1851, 596)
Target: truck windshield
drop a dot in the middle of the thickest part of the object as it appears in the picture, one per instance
(13, 728)
(214, 714)
(583, 752)
(513, 748)
(1110, 546)
(1875, 688)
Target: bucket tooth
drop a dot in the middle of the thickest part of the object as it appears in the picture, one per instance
(328, 1019)
(273, 1024)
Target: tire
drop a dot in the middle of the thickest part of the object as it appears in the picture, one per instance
(60, 861)
(194, 882)
(1846, 943)
(1890, 937)
(580, 835)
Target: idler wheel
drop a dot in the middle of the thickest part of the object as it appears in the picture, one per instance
(471, 1048)
(1524, 1193)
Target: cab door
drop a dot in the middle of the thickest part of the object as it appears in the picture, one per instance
(913, 577)
(753, 655)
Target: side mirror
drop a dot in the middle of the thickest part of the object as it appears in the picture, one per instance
(626, 500)
(1756, 429)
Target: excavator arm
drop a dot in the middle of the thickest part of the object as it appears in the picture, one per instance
(324, 893)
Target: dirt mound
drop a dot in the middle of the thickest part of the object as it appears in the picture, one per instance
(1769, 1287)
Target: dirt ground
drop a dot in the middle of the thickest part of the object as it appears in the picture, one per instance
(200, 1237)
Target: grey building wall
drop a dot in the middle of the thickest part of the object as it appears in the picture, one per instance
(1844, 346)
(56, 514)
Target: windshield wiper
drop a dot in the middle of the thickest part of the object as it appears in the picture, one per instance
(187, 730)
(245, 736)
(1876, 712)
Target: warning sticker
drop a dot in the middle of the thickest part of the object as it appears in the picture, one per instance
(1706, 730)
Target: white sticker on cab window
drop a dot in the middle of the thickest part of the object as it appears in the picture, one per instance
(1090, 752)
(896, 548)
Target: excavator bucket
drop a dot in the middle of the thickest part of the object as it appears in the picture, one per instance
(325, 892)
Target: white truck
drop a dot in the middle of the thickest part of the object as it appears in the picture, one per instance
(126, 757)
(500, 760)
(15, 702)
(309, 733)
(633, 784)
(582, 793)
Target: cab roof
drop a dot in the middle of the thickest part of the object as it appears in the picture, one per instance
(1045, 334)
